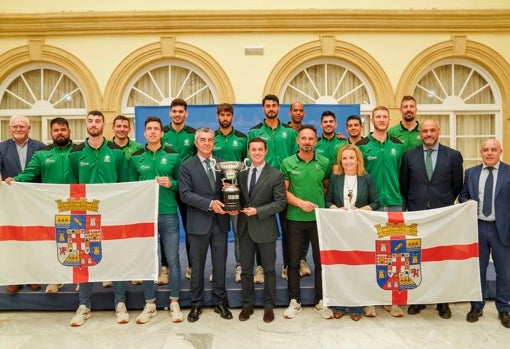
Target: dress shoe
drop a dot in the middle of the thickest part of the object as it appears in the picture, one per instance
(444, 310)
(11, 289)
(504, 317)
(474, 314)
(245, 313)
(223, 311)
(415, 309)
(194, 314)
(268, 315)
(34, 287)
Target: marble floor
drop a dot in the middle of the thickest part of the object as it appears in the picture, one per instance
(28, 329)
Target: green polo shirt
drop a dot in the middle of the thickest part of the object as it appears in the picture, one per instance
(410, 138)
(50, 163)
(182, 142)
(130, 147)
(107, 164)
(231, 147)
(330, 147)
(147, 165)
(383, 161)
(281, 141)
(306, 182)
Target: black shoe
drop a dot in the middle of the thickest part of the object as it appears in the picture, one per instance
(474, 314)
(268, 315)
(194, 313)
(415, 309)
(245, 313)
(444, 310)
(223, 311)
(504, 316)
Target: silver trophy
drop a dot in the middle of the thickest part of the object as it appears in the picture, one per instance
(231, 193)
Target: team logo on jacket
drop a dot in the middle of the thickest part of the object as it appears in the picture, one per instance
(78, 235)
(398, 257)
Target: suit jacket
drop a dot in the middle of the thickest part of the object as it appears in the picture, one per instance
(269, 198)
(10, 165)
(366, 192)
(196, 192)
(501, 197)
(420, 193)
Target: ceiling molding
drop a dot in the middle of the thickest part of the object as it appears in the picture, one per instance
(260, 21)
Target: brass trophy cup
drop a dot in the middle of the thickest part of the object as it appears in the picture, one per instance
(231, 193)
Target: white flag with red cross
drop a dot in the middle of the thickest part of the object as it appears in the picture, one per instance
(61, 233)
(382, 258)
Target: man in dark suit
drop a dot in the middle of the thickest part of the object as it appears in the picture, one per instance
(262, 197)
(15, 154)
(207, 224)
(489, 185)
(430, 177)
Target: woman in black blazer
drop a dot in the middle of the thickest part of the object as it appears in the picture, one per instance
(351, 188)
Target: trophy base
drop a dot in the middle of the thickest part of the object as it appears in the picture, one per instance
(232, 207)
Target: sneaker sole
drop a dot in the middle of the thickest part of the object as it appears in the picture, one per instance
(150, 317)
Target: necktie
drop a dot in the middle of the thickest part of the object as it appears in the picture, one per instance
(210, 173)
(428, 163)
(253, 180)
(487, 193)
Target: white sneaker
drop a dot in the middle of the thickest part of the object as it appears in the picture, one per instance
(284, 272)
(369, 311)
(121, 313)
(188, 273)
(293, 309)
(238, 274)
(175, 312)
(210, 278)
(304, 269)
(136, 282)
(325, 312)
(149, 311)
(107, 284)
(82, 314)
(163, 276)
(258, 278)
(394, 310)
(53, 288)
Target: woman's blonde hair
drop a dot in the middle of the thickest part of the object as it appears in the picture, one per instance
(360, 171)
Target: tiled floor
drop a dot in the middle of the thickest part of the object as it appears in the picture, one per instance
(26, 329)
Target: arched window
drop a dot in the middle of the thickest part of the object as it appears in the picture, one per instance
(328, 81)
(42, 92)
(465, 101)
(160, 83)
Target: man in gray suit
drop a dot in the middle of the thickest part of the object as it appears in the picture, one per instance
(15, 154)
(262, 197)
(207, 224)
(430, 177)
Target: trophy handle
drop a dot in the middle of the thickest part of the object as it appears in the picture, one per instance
(245, 165)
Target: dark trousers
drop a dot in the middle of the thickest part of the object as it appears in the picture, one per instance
(283, 226)
(199, 244)
(248, 249)
(296, 233)
(489, 243)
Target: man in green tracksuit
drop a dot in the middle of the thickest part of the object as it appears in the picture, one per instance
(98, 160)
(407, 130)
(121, 128)
(162, 163)
(329, 144)
(50, 164)
(181, 138)
(382, 155)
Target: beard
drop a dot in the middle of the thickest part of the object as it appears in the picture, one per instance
(61, 142)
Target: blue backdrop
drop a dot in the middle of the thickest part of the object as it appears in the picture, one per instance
(245, 116)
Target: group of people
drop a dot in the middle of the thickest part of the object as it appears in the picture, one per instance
(293, 171)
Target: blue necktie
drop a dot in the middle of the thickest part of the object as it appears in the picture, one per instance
(487, 193)
(253, 180)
